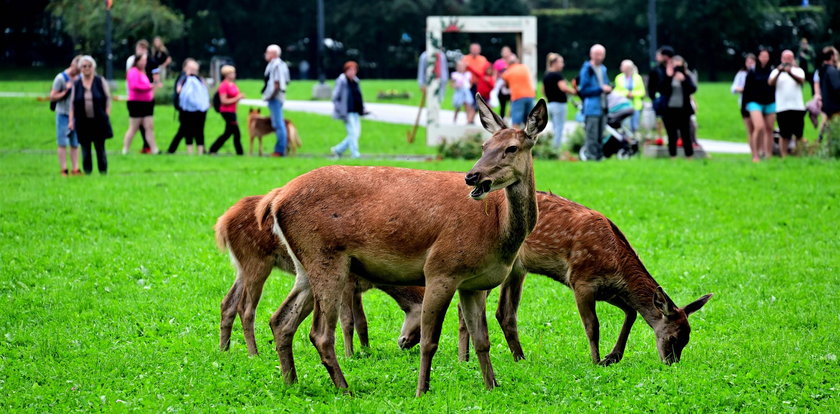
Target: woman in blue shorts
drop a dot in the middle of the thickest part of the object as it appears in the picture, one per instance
(760, 100)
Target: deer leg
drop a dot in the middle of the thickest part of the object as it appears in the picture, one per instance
(438, 295)
(360, 319)
(585, 298)
(618, 350)
(510, 296)
(346, 314)
(331, 275)
(230, 304)
(474, 303)
(463, 337)
(410, 300)
(285, 321)
(254, 281)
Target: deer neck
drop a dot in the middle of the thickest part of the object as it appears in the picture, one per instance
(521, 215)
(640, 290)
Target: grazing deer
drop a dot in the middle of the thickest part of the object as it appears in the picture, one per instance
(584, 250)
(254, 252)
(406, 227)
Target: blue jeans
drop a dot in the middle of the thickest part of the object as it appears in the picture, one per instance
(275, 107)
(354, 129)
(519, 110)
(632, 122)
(557, 111)
(62, 138)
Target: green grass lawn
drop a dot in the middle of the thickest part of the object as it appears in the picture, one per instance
(111, 288)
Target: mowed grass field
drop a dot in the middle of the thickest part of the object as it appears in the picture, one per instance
(111, 288)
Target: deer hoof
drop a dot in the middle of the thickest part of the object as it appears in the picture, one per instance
(609, 360)
(518, 357)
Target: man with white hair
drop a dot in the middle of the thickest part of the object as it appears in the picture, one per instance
(274, 93)
(60, 102)
(594, 87)
(790, 107)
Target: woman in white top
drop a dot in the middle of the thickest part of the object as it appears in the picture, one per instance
(738, 88)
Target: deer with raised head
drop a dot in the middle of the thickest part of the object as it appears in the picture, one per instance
(584, 250)
(255, 251)
(406, 227)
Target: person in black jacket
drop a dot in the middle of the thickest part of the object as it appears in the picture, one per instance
(829, 83)
(675, 88)
(90, 112)
(760, 100)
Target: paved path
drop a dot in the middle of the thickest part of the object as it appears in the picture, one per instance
(405, 115)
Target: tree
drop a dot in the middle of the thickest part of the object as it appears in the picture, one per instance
(84, 21)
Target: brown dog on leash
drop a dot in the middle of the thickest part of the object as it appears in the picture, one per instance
(260, 126)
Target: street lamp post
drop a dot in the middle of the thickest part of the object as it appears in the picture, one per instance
(109, 59)
(321, 90)
(652, 31)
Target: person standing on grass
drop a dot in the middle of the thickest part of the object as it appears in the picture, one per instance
(522, 92)
(194, 102)
(829, 87)
(141, 48)
(90, 113)
(594, 87)
(60, 97)
(141, 105)
(806, 57)
(738, 88)
(161, 58)
(629, 84)
(274, 93)
(501, 88)
(463, 96)
(475, 64)
(348, 106)
(790, 106)
(555, 89)
(181, 133)
(761, 104)
(229, 95)
(676, 88)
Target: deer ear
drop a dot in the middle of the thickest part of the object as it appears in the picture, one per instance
(537, 120)
(696, 305)
(489, 119)
(662, 302)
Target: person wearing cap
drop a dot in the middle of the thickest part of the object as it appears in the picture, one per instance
(229, 95)
(348, 107)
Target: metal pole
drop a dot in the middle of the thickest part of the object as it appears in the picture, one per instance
(109, 58)
(652, 42)
(320, 57)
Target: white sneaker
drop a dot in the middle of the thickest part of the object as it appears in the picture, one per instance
(125, 151)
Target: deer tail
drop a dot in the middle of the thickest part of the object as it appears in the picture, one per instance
(221, 229)
(265, 208)
(269, 207)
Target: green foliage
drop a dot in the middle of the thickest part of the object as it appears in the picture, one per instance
(832, 138)
(469, 148)
(574, 141)
(84, 21)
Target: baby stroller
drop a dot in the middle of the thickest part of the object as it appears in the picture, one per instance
(616, 140)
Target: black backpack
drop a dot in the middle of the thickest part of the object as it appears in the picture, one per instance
(53, 104)
(176, 97)
(217, 101)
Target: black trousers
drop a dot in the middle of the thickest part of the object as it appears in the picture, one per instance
(231, 130)
(87, 157)
(143, 135)
(503, 101)
(678, 125)
(191, 129)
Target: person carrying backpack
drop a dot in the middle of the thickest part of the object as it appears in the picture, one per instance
(227, 97)
(60, 103)
(194, 101)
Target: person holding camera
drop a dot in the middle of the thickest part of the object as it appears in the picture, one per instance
(760, 97)
(675, 89)
(788, 79)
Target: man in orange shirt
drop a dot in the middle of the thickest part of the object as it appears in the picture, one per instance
(476, 64)
(518, 78)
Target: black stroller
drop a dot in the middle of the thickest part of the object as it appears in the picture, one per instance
(617, 140)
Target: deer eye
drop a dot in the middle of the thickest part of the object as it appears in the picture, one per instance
(511, 149)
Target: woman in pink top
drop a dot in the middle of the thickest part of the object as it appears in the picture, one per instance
(229, 95)
(141, 104)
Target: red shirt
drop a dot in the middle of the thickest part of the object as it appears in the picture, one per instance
(229, 90)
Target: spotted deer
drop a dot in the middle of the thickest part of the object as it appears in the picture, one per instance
(255, 251)
(406, 227)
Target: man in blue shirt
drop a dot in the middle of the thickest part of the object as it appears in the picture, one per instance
(594, 87)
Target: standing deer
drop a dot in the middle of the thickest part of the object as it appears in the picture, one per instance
(584, 250)
(406, 227)
(254, 252)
